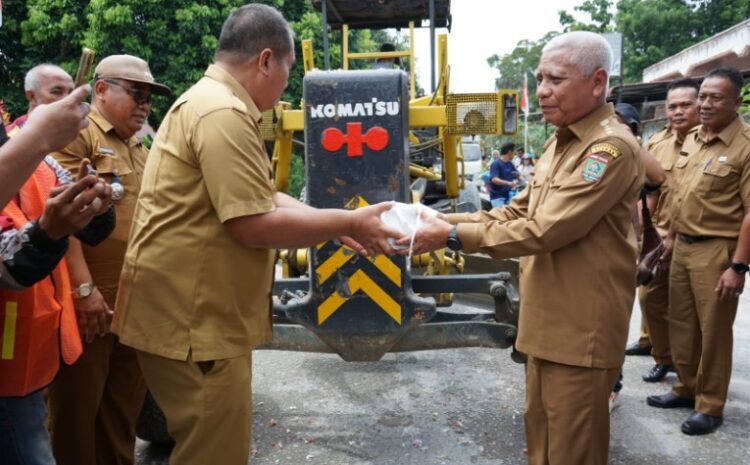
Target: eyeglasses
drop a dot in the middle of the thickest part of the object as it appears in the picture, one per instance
(138, 96)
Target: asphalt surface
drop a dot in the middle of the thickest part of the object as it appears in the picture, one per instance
(459, 407)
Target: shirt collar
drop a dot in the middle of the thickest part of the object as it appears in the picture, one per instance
(219, 74)
(726, 135)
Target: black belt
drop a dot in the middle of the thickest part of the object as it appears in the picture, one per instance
(692, 239)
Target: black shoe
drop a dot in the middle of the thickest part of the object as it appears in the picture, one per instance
(636, 349)
(700, 423)
(657, 373)
(670, 400)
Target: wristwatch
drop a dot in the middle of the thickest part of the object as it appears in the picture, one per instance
(739, 268)
(453, 242)
(83, 291)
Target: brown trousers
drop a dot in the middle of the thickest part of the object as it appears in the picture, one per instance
(654, 300)
(644, 339)
(700, 327)
(207, 405)
(567, 413)
(94, 405)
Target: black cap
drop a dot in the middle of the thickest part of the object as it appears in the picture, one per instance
(630, 116)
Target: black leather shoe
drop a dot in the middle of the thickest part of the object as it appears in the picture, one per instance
(657, 373)
(700, 423)
(636, 349)
(670, 400)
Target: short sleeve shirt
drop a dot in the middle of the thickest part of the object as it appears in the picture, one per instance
(187, 287)
(115, 160)
(504, 170)
(713, 190)
(665, 147)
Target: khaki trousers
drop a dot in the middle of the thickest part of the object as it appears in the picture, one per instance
(207, 405)
(567, 413)
(700, 327)
(94, 405)
(654, 300)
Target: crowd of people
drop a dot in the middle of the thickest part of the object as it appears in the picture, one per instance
(124, 269)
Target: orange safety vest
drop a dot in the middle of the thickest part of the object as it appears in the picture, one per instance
(38, 324)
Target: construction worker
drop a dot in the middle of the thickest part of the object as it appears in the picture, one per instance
(37, 319)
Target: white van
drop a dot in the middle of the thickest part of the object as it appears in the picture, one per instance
(472, 162)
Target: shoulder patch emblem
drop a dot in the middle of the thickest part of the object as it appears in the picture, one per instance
(594, 168)
(607, 148)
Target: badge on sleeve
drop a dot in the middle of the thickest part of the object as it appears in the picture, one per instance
(597, 161)
(594, 168)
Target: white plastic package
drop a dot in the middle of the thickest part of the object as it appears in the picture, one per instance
(406, 218)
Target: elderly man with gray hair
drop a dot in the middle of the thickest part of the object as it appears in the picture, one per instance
(572, 228)
(45, 83)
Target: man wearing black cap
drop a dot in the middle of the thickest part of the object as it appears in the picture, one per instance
(94, 403)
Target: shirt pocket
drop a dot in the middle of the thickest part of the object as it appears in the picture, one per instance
(109, 166)
(535, 191)
(718, 177)
(681, 162)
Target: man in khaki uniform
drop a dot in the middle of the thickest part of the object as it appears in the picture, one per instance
(710, 233)
(195, 292)
(682, 115)
(95, 402)
(571, 225)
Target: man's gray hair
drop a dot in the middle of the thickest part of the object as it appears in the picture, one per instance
(589, 51)
(252, 28)
(31, 82)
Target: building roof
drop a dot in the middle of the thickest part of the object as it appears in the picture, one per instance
(730, 47)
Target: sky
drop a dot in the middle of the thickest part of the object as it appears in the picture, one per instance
(482, 28)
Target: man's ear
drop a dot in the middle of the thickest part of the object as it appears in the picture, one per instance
(601, 82)
(99, 87)
(29, 95)
(263, 60)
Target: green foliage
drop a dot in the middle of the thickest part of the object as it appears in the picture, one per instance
(745, 107)
(652, 29)
(178, 39)
(656, 29)
(177, 42)
(296, 176)
(600, 12)
(523, 60)
(14, 59)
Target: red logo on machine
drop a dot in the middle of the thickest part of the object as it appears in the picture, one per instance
(376, 138)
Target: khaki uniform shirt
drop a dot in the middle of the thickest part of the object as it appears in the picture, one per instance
(187, 286)
(714, 182)
(111, 157)
(665, 146)
(571, 225)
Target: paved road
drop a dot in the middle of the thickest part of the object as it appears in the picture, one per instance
(458, 407)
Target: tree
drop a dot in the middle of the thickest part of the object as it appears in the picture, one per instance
(600, 12)
(522, 61)
(14, 59)
(656, 29)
